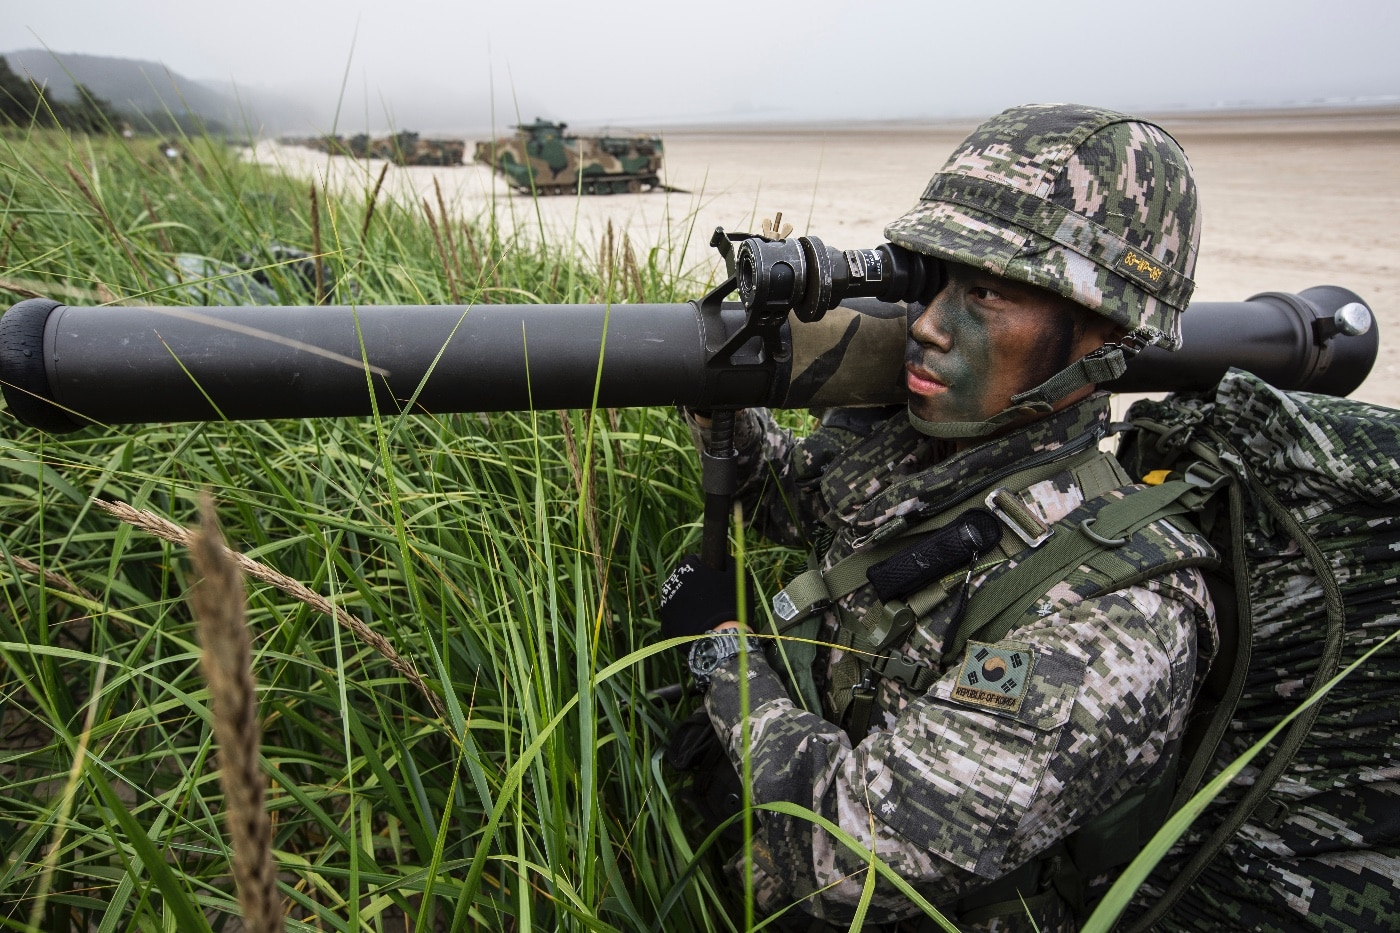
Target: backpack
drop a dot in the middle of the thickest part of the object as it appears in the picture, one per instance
(1306, 512)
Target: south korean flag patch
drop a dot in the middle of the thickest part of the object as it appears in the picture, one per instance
(994, 677)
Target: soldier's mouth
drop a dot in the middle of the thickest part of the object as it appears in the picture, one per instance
(921, 382)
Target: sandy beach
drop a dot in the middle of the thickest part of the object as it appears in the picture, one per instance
(1292, 199)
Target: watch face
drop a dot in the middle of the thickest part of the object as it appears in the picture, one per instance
(705, 655)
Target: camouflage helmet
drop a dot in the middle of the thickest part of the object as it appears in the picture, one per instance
(1093, 205)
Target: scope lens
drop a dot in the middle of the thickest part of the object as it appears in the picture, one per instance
(747, 274)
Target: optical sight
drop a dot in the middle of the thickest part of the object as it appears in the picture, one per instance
(810, 278)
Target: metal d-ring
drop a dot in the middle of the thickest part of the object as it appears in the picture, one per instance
(1086, 527)
(1167, 442)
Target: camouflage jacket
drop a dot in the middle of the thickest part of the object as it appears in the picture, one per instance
(949, 792)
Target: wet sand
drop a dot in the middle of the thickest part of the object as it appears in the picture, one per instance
(1292, 199)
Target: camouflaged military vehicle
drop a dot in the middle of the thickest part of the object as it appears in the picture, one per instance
(541, 157)
(408, 149)
(403, 148)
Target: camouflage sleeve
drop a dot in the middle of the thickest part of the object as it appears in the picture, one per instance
(970, 783)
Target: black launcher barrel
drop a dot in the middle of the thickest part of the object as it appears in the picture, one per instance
(64, 367)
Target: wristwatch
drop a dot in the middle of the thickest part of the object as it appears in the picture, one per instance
(708, 653)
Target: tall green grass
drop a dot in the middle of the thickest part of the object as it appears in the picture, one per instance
(513, 559)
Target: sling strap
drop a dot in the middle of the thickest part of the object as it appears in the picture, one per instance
(889, 623)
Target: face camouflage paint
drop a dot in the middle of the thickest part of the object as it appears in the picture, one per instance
(982, 340)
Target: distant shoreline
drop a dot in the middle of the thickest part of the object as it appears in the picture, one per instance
(1303, 117)
(1369, 117)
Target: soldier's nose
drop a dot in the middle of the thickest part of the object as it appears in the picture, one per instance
(928, 329)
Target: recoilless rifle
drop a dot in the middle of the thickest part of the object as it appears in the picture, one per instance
(813, 327)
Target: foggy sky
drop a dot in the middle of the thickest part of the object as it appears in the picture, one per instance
(445, 65)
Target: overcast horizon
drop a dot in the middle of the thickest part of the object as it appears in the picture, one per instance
(438, 67)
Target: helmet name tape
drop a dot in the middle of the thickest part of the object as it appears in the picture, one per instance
(1142, 269)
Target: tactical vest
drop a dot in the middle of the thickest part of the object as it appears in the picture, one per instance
(1112, 540)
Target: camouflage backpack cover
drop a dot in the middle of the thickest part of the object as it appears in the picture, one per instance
(1308, 837)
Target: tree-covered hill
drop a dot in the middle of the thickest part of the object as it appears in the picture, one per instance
(22, 103)
(154, 91)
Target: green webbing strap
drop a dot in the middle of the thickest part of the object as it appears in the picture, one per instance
(1288, 745)
(964, 430)
(997, 606)
(884, 626)
(1100, 475)
(841, 682)
(1204, 753)
(798, 652)
(815, 587)
(862, 705)
(803, 592)
(1105, 364)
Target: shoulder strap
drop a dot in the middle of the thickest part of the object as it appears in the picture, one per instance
(815, 588)
(875, 637)
(1089, 534)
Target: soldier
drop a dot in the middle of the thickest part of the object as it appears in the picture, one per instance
(988, 761)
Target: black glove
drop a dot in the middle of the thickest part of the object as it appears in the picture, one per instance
(695, 598)
(713, 789)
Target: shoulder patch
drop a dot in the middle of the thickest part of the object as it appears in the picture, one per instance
(994, 677)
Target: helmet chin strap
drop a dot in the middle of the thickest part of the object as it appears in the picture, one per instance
(1105, 364)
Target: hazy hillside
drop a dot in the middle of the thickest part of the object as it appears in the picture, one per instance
(151, 88)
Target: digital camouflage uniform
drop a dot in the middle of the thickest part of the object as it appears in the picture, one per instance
(956, 793)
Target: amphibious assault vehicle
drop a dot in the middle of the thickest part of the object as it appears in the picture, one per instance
(405, 148)
(408, 149)
(540, 157)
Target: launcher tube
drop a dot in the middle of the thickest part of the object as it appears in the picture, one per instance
(63, 367)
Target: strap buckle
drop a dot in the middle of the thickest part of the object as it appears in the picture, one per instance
(1014, 515)
(891, 625)
(805, 594)
(1205, 475)
(787, 609)
(866, 687)
(894, 665)
(783, 606)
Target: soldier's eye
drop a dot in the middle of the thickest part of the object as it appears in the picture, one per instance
(984, 294)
